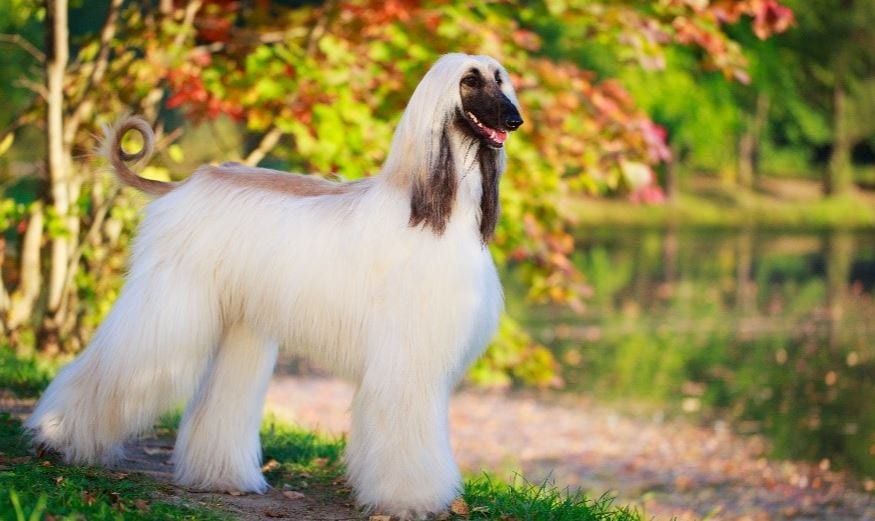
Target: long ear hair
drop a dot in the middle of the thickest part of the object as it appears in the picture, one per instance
(421, 158)
(432, 196)
(491, 166)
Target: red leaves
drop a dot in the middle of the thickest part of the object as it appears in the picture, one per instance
(378, 12)
(655, 137)
(701, 24)
(770, 17)
(528, 40)
(216, 20)
(189, 91)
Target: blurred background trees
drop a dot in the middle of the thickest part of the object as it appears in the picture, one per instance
(629, 100)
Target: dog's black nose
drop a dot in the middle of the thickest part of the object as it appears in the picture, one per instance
(513, 121)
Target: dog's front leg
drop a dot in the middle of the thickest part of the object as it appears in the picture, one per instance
(398, 457)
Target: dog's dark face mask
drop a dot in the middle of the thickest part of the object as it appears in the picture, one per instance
(488, 114)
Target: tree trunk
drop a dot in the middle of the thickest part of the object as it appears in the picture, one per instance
(839, 255)
(58, 156)
(671, 177)
(744, 286)
(749, 144)
(839, 173)
(24, 298)
(4, 295)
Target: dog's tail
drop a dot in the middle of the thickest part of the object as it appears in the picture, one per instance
(111, 149)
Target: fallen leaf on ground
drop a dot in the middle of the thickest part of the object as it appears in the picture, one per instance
(152, 451)
(683, 483)
(142, 505)
(270, 465)
(236, 493)
(294, 494)
(380, 517)
(459, 507)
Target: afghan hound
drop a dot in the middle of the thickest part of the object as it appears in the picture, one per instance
(387, 281)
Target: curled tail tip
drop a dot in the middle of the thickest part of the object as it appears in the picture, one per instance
(111, 149)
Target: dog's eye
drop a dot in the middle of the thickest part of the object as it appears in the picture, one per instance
(498, 79)
(471, 81)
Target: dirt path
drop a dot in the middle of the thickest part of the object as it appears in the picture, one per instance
(151, 455)
(668, 468)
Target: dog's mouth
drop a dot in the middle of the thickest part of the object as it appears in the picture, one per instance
(493, 137)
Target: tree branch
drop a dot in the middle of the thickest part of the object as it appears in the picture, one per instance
(191, 10)
(26, 117)
(37, 88)
(4, 295)
(321, 26)
(85, 104)
(100, 214)
(268, 141)
(22, 43)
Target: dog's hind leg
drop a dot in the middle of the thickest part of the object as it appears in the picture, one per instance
(218, 447)
(145, 358)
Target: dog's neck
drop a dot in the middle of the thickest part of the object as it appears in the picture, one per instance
(478, 174)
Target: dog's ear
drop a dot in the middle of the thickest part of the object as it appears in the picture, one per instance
(490, 174)
(434, 194)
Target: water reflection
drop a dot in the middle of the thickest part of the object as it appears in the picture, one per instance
(775, 331)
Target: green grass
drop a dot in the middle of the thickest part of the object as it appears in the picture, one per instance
(722, 208)
(23, 376)
(31, 487)
(487, 498)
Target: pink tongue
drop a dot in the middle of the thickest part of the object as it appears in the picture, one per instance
(500, 136)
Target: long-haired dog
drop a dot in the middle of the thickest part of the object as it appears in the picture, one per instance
(387, 281)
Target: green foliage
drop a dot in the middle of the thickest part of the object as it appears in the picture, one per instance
(487, 498)
(515, 358)
(703, 123)
(24, 376)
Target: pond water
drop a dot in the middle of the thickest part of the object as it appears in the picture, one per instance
(773, 332)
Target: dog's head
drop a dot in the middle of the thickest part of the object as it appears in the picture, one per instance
(465, 106)
(487, 108)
